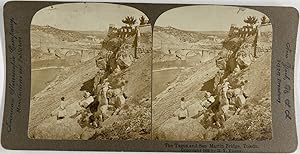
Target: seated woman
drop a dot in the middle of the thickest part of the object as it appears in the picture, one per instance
(183, 112)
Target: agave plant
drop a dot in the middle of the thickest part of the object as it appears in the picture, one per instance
(129, 20)
(142, 20)
(264, 20)
(252, 20)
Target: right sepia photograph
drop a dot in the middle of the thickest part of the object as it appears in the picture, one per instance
(211, 74)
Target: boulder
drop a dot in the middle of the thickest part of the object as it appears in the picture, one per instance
(233, 44)
(70, 110)
(194, 109)
(88, 134)
(112, 63)
(211, 133)
(101, 63)
(221, 63)
(244, 61)
(206, 103)
(124, 61)
(112, 44)
(86, 102)
(181, 130)
(73, 109)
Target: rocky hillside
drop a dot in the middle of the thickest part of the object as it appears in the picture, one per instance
(184, 36)
(66, 35)
(52, 43)
(235, 65)
(122, 111)
(169, 42)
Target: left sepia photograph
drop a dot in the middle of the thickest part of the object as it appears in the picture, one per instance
(90, 73)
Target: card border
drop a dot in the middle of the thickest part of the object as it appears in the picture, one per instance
(15, 121)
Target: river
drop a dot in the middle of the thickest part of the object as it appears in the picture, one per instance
(161, 80)
(40, 79)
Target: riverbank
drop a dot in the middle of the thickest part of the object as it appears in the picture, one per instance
(51, 63)
(45, 68)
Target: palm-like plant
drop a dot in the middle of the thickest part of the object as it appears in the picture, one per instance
(142, 20)
(129, 20)
(252, 20)
(263, 20)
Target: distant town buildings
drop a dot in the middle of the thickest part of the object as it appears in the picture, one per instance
(126, 31)
(243, 32)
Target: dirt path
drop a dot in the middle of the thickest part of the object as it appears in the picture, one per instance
(167, 102)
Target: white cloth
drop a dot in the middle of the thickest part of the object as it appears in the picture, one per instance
(62, 113)
(63, 104)
(85, 103)
(183, 112)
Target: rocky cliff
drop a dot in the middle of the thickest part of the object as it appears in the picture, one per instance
(240, 70)
(122, 111)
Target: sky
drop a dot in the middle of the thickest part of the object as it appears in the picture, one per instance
(205, 18)
(97, 16)
(84, 16)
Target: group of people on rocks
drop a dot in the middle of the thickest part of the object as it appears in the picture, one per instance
(230, 96)
(231, 101)
(107, 98)
(228, 101)
(229, 84)
(227, 97)
(109, 83)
